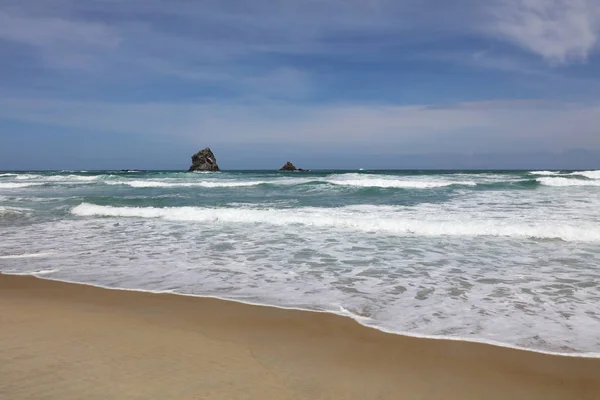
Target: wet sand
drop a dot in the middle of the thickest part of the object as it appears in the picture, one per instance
(66, 341)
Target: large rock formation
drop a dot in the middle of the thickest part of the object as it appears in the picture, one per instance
(290, 167)
(204, 160)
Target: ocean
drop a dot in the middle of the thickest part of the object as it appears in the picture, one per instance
(506, 257)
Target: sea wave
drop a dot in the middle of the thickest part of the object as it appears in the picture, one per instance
(390, 181)
(372, 219)
(24, 255)
(4, 210)
(407, 184)
(41, 179)
(588, 174)
(207, 184)
(559, 181)
(27, 176)
(15, 185)
(76, 178)
(549, 173)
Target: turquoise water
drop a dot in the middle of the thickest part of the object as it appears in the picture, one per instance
(510, 257)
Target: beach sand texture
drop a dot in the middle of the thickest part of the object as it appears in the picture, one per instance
(67, 341)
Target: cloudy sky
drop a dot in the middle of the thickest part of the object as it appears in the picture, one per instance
(145, 83)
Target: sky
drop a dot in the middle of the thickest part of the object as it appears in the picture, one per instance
(103, 84)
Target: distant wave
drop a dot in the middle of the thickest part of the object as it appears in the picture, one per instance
(158, 184)
(40, 179)
(382, 183)
(559, 181)
(377, 219)
(588, 174)
(27, 176)
(544, 172)
(3, 175)
(390, 181)
(76, 178)
(14, 185)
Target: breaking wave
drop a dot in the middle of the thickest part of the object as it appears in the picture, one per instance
(372, 219)
(159, 184)
(588, 174)
(543, 173)
(363, 181)
(559, 181)
(15, 185)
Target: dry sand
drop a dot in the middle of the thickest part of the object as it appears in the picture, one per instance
(66, 341)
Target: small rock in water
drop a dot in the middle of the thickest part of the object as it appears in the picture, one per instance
(290, 167)
(204, 160)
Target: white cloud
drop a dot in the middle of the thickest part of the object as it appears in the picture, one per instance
(61, 42)
(561, 31)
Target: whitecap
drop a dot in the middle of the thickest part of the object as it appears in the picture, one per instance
(14, 185)
(373, 219)
(76, 178)
(206, 184)
(588, 174)
(559, 181)
(389, 181)
(27, 176)
(549, 173)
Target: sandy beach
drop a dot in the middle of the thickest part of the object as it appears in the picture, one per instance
(68, 341)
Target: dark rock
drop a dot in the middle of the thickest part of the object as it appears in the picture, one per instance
(204, 160)
(288, 167)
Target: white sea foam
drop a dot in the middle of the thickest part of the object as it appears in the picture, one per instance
(560, 181)
(39, 273)
(25, 255)
(479, 265)
(206, 184)
(7, 174)
(398, 183)
(549, 173)
(13, 210)
(588, 174)
(15, 185)
(76, 178)
(22, 177)
(364, 219)
(391, 181)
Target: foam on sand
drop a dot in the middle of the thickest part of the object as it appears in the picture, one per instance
(25, 255)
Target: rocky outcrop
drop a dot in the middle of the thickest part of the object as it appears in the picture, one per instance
(290, 167)
(204, 160)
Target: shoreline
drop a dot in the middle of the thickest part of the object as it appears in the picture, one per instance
(64, 340)
(347, 314)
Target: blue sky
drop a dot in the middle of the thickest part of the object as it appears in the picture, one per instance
(145, 83)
